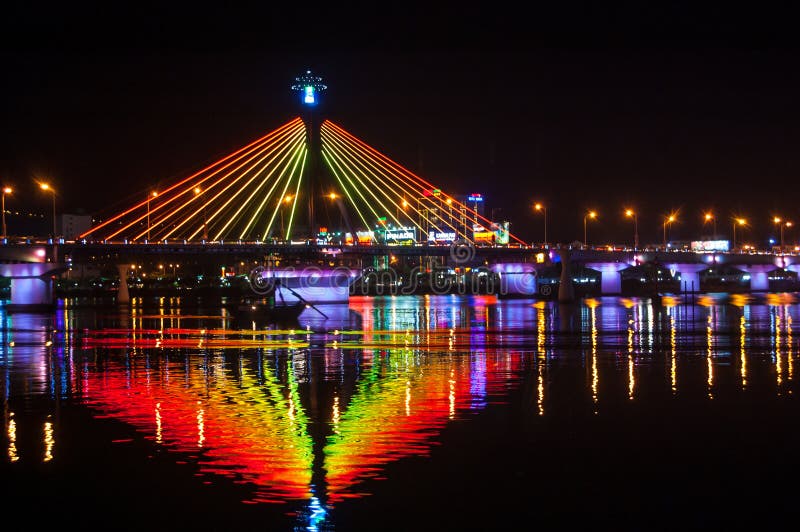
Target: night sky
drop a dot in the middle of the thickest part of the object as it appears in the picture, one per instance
(658, 108)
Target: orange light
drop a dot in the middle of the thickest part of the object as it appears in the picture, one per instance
(709, 216)
(592, 214)
(44, 186)
(154, 194)
(776, 220)
(671, 218)
(7, 190)
(332, 195)
(629, 212)
(538, 207)
(741, 221)
(287, 199)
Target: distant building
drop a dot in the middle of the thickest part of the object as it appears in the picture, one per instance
(70, 226)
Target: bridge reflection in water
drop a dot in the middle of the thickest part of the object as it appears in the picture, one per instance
(315, 415)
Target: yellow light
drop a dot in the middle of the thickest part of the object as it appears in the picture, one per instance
(7, 190)
(154, 194)
(160, 266)
(332, 195)
(671, 218)
(709, 216)
(629, 212)
(776, 220)
(789, 224)
(741, 221)
(592, 214)
(449, 201)
(287, 199)
(44, 186)
(405, 203)
(538, 207)
(197, 190)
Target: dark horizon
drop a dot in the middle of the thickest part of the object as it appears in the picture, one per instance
(701, 117)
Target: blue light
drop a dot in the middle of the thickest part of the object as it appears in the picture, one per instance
(308, 95)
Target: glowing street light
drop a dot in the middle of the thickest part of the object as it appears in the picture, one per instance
(197, 192)
(6, 190)
(47, 188)
(667, 220)
(150, 196)
(589, 215)
(737, 221)
(286, 200)
(630, 213)
(777, 220)
(709, 217)
(540, 207)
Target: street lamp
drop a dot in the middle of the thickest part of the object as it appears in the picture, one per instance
(540, 207)
(592, 215)
(709, 217)
(6, 190)
(630, 213)
(781, 223)
(667, 220)
(737, 221)
(286, 199)
(48, 188)
(150, 196)
(197, 192)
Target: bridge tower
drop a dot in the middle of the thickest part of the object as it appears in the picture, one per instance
(309, 88)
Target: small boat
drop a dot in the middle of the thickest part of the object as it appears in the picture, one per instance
(267, 309)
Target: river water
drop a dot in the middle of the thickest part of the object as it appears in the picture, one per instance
(404, 413)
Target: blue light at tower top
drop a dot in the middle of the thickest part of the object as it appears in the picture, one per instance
(309, 85)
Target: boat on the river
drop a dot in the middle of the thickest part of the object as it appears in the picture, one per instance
(266, 309)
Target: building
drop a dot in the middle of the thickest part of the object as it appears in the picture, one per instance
(70, 226)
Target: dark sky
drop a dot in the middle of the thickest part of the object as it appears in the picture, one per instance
(661, 108)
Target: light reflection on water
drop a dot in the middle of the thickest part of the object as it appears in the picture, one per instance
(313, 413)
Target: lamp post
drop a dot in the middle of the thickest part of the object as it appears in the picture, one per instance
(709, 217)
(197, 192)
(630, 213)
(592, 215)
(780, 222)
(285, 200)
(540, 207)
(48, 188)
(737, 221)
(667, 220)
(6, 190)
(150, 196)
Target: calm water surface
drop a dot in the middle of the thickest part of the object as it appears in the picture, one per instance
(408, 413)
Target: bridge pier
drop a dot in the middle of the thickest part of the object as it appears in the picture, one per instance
(610, 278)
(690, 275)
(759, 276)
(566, 290)
(516, 278)
(123, 295)
(31, 284)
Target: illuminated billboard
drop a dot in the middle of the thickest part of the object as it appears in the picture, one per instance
(365, 237)
(441, 236)
(403, 236)
(710, 245)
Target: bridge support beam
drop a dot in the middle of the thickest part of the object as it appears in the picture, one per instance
(31, 292)
(759, 276)
(610, 279)
(123, 296)
(690, 275)
(516, 279)
(566, 290)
